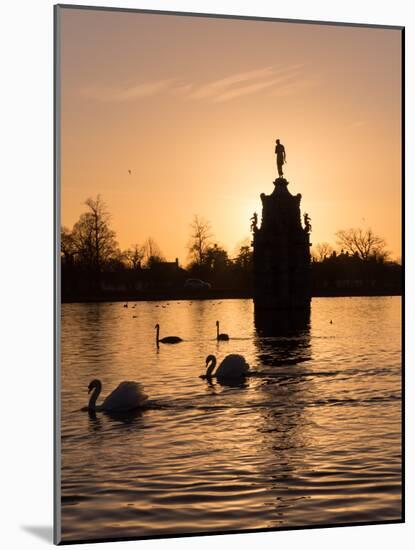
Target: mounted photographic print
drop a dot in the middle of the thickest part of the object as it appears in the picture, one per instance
(229, 274)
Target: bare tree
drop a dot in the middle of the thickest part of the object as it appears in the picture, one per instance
(94, 240)
(134, 255)
(151, 252)
(322, 251)
(363, 242)
(68, 249)
(200, 240)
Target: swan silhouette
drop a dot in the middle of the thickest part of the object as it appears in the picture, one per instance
(222, 336)
(166, 339)
(127, 396)
(233, 367)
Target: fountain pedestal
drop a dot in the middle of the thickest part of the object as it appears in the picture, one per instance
(282, 278)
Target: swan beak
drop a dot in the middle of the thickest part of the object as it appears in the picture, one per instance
(89, 389)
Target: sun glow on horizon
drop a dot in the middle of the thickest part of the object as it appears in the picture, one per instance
(189, 127)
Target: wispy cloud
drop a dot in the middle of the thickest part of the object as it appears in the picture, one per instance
(127, 92)
(356, 124)
(244, 83)
(276, 80)
(212, 89)
(295, 86)
(248, 89)
(184, 89)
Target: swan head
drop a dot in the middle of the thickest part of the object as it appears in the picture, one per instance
(94, 384)
(157, 326)
(217, 323)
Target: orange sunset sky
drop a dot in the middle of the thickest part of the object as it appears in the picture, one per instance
(193, 105)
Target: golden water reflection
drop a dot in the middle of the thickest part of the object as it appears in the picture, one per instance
(313, 439)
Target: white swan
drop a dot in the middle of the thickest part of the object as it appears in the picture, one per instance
(127, 396)
(234, 366)
(166, 339)
(222, 336)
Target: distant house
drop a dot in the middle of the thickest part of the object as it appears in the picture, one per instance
(166, 268)
(165, 274)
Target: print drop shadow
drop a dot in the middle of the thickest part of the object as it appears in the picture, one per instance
(42, 532)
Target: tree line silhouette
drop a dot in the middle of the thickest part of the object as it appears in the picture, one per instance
(94, 267)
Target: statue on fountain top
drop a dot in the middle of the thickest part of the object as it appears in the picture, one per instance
(281, 157)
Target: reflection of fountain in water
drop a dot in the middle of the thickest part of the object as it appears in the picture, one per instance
(283, 343)
(282, 337)
(281, 322)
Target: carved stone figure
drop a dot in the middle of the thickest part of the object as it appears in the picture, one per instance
(307, 223)
(281, 157)
(254, 222)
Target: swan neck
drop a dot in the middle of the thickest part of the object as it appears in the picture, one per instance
(93, 398)
(157, 335)
(217, 330)
(211, 368)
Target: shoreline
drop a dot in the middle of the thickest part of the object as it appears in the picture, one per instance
(212, 295)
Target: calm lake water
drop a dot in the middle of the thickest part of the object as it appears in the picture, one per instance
(316, 439)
